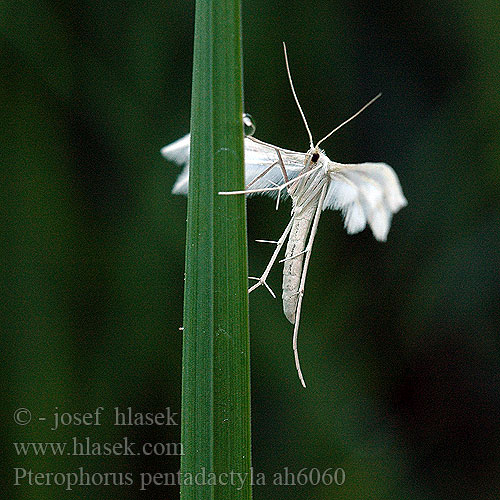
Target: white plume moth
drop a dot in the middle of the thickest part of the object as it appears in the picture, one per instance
(366, 193)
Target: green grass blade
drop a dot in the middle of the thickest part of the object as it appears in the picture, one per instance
(216, 373)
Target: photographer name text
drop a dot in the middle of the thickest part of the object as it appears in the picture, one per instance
(118, 416)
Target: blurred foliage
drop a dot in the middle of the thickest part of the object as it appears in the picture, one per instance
(399, 341)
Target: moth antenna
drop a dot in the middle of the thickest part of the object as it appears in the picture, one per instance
(349, 119)
(296, 98)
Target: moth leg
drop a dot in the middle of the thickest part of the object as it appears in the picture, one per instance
(294, 256)
(285, 176)
(307, 251)
(261, 283)
(277, 197)
(282, 165)
(268, 169)
(278, 152)
(279, 245)
(267, 241)
(277, 188)
(253, 181)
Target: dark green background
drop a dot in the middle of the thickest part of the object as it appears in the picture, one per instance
(399, 341)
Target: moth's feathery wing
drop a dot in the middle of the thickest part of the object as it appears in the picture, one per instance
(178, 152)
(365, 193)
(258, 157)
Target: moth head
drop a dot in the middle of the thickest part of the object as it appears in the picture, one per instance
(313, 156)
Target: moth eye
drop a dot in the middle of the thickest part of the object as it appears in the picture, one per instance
(315, 157)
(248, 125)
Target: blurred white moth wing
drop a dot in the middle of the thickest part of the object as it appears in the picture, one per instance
(178, 152)
(259, 157)
(365, 193)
